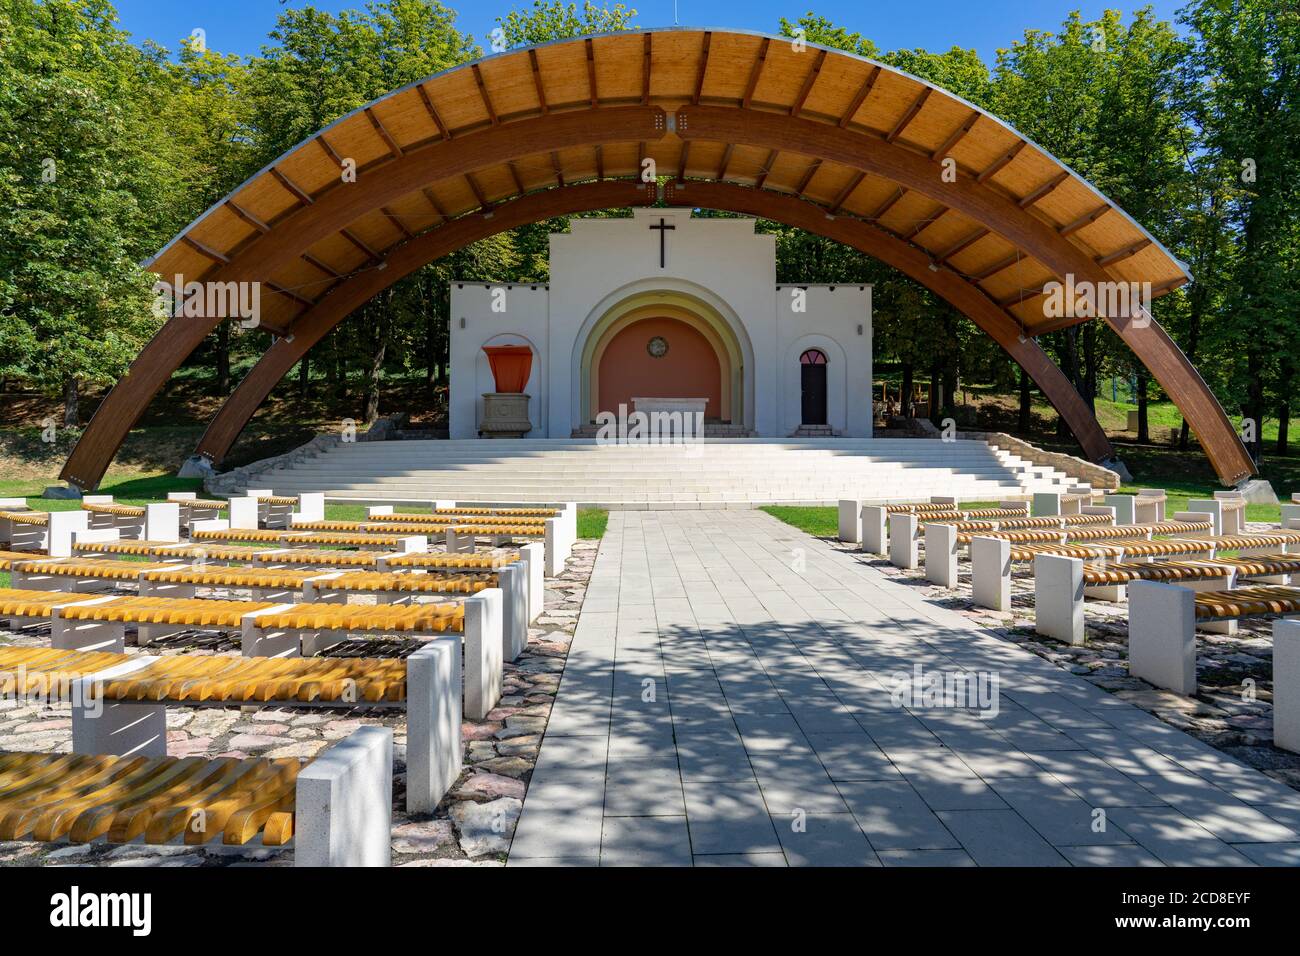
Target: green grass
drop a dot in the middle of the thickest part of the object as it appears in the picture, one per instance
(592, 522)
(818, 521)
(131, 491)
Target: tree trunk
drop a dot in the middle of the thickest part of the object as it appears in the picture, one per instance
(376, 368)
(1255, 403)
(1088, 382)
(1283, 422)
(1144, 433)
(1026, 404)
(221, 359)
(71, 396)
(934, 393)
(905, 396)
(304, 376)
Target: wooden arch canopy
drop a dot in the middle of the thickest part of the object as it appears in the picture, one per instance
(830, 142)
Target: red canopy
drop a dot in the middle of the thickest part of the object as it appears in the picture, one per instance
(511, 365)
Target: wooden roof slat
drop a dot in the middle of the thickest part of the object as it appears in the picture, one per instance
(1020, 296)
(905, 120)
(1120, 254)
(645, 71)
(815, 165)
(387, 137)
(808, 82)
(925, 224)
(393, 218)
(1000, 266)
(591, 73)
(1043, 190)
(205, 250)
(483, 93)
(434, 203)
(247, 216)
(704, 66)
(860, 98)
(288, 294)
(294, 190)
(888, 204)
(961, 246)
(755, 73)
(477, 190)
(766, 170)
(537, 82)
(1001, 162)
(1087, 219)
(351, 237)
(726, 159)
(433, 113)
(311, 260)
(957, 136)
(329, 150)
(846, 192)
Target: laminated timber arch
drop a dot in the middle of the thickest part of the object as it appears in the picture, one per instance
(314, 324)
(815, 134)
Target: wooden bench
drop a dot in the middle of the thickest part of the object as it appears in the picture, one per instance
(192, 508)
(1163, 619)
(290, 539)
(1061, 583)
(47, 532)
(119, 701)
(81, 622)
(159, 521)
(335, 810)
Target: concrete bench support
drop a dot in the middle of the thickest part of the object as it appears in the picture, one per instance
(483, 642)
(941, 554)
(902, 541)
(343, 803)
(556, 547)
(873, 529)
(1046, 503)
(533, 557)
(1162, 635)
(850, 514)
(513, 581)
(433, 715)
(1058, 597)
(990, 573)
(1125, 508)
(1213, 507)
(125, 729)
(1286, 684)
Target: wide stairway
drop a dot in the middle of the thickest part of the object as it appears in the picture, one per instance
(713, 473)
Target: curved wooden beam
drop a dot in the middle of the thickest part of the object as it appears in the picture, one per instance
(314, 325)
(874, 155)
(322, 216)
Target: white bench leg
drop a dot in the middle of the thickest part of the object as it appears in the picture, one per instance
(941, 554)
(1162, 635)
(243, 512)
(1286, 684)
(483, 665)
(990, 573)
(902, 541)
(1125, 508)
(873, 529)
(1211, 506)
(533, 556)
(61, 529)
(433, 714)
(1058, 597)
(850, 520)
(256, 641)
(513, 581)
(107, 636)
(128, 729)
(1047, 503)
(343, 804)
(162, 522)
(554, 547)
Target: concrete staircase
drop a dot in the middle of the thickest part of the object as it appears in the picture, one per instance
(710, 474)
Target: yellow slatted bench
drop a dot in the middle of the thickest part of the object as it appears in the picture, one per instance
(335, 809)
(460, 562)
(79, 622)
(78, 575)
(114, 510)
(270, 536)
(1258, 543)
(1163, 619)
(9, 558)
(132, 548)
(119, 706)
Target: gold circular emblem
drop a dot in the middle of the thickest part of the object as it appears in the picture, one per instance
(657, 347)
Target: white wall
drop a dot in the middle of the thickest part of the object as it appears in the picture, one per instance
(721, 262)
(524, 322)
(834, 314)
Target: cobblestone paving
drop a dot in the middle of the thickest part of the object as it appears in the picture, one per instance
(472, 827)
(1233, 709)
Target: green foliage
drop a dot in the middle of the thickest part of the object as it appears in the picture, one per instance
(556, 20)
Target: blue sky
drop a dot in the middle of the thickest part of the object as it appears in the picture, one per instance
(240, 26)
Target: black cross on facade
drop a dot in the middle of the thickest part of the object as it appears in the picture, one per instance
(663, 228)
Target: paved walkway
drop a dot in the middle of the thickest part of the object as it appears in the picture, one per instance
(727, 700)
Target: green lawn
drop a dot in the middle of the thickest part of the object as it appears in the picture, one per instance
(592, 522)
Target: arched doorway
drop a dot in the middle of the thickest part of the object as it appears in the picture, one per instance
(812, 386)
(658, 357)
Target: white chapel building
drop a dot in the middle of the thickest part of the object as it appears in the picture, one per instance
(663, 305)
